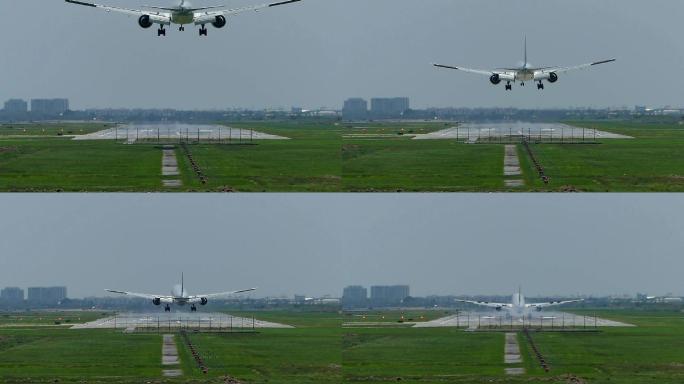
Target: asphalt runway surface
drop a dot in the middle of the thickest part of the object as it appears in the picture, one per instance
(544, 131)
(477, 320)
(178, 131)
(178, 320)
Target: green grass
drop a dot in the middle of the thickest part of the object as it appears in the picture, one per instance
(64, 165)
(43, 355)
(422, 355)
(651, 162)
(48, 318)
(334, 157)
(648, 353)
(54, 129)
(421, 165)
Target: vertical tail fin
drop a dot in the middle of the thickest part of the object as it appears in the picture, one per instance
(525, 65)
(182, 285)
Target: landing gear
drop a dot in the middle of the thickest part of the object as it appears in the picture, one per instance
(193, 308)
(203, 31)
(522, 84)
(161, 32)
(167, 308)
(509, 87)
(540, 86)
(181, 28)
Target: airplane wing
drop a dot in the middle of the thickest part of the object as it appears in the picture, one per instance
(551, 303)
(205, 16)
(469, 70)
(574, 68)
(487, 304)
(221, 294)
(141, 295)
(157, 17)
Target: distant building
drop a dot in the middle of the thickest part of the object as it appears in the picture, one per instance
(12, 294)
(355, 109)
(16, 106)
(389, 108)
(49, 107)
(46, 295)
(355, 296)
(389, 294)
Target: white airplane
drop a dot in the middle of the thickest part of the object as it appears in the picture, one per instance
(179, 296)
(518, 307)
(524, 73)
(183, 14)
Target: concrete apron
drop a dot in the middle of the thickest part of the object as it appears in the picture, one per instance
(170, 357)
(512, 354)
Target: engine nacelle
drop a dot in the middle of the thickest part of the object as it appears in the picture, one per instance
(495, 79)
(145, 22)
(539, 309)
(204, 301)
(156, 301)
(498, 309)
(219, 22)
(553, 77)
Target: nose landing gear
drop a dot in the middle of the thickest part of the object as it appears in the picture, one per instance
(509, 87)
(203, 31)
(181, 28)
(161, 32)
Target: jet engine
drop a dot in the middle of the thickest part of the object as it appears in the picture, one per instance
(495, 79)
(219, 22)
(539, 309)
(145, 22)
(204, 301)
(498, 309)
(553, 77)
(156, 301)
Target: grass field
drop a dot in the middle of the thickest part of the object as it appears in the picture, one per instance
(334, 157)
(647, 353)
(318, 350)
(309, 353)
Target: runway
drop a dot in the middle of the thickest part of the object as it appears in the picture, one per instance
(178, 131)
(550, 320)
(175, 321)
(474, 132)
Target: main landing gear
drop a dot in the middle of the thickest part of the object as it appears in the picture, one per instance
(203, 31)
(193, 308)
(161, 32)
(540, 86)
(509, 87)
(167, 308)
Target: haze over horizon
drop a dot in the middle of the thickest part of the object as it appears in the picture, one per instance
(319, 52)
(316, 244)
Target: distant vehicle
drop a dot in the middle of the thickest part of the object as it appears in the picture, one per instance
(179, 296)
(526, 72)
(518, 307)
(182, 15)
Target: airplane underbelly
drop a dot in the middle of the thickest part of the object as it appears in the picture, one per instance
(180, 18)
(525, 76)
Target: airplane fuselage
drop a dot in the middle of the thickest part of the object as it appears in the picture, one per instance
(182, 16)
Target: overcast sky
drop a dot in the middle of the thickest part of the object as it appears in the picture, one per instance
(319, 52)
(316, 244)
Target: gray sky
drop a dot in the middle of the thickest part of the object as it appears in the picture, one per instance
(320, 52)
(316, 244)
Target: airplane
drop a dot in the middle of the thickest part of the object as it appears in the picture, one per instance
(524, 73)
(183, 14)
(518, 307)
(179, 296)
